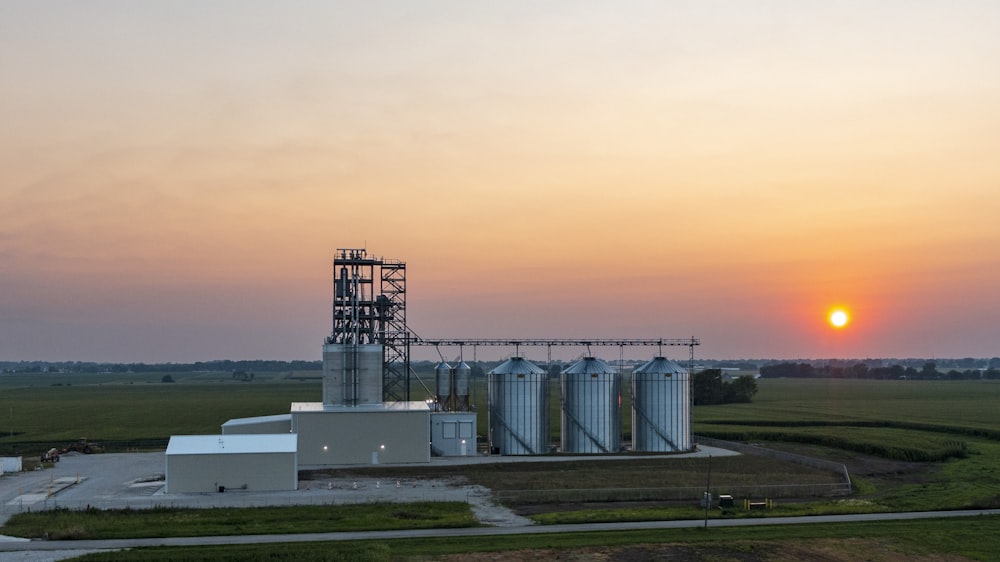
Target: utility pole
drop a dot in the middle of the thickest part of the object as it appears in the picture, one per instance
(708, 486)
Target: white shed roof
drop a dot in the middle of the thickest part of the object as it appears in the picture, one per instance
(232, 444)
(411, 406)
(258, 419)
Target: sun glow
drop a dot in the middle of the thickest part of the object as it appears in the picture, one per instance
(839, 318)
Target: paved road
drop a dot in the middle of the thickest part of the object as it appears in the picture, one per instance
(82, 546)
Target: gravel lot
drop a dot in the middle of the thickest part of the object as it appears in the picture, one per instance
(135, 480)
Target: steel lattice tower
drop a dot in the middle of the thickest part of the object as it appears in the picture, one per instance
(360, 316)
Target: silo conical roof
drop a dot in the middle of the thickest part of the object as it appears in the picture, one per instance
(517, 366)
(660, 366)
(589, 366)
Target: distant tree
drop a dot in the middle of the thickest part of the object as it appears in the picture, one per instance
(929, 370)
(740, 390)
(706, 387)
(167, 378)
(789, 370)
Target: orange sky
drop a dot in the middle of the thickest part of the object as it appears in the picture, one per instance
(176, 176)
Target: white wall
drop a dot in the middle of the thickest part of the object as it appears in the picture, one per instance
(351, 436)
(449, 430)
(206, 472)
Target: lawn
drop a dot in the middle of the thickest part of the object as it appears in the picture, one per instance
(974, 538)
(63, 524)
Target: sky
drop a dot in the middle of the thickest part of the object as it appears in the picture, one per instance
(176, 176)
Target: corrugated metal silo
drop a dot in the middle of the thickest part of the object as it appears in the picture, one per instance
(352, 374)
(661, 407)
(442, 374)
(518, 408)
(591, 407)
(463, 378)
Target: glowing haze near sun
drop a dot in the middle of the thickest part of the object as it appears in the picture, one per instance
(175, 177)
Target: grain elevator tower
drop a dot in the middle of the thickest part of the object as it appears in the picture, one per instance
(366, 359)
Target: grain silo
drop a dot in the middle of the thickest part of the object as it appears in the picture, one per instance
(453, 423)
(463, 379)
(591, 407)
(661, 407)
(518, 408)
(352, 374)
(443, 378)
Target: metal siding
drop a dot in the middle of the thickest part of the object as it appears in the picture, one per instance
(463, 423)
(202, 473)
(352, 435)
(591, 408)
(518, 408)
(661, 407)
(340, 387)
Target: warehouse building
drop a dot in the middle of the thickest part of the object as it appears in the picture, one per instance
(216, 463)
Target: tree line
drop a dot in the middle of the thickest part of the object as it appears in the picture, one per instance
(225, 365)
(708, 387)
(928, 371)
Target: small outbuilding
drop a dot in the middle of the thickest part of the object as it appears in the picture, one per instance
(10, 464)
(453, 434)
(217, 463)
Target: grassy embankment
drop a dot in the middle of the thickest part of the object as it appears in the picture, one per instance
(975, 539)
(62, 524)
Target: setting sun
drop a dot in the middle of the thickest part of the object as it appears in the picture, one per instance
(839, 318)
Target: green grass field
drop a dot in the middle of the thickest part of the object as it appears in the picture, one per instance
(53, 409)
(64, 524)
(960, 405)
(934, 539)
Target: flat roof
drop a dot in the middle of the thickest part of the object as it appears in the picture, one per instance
(259, 419)
(414, 406)
(232, 444)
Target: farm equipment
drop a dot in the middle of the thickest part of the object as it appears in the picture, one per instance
(52, 455)
(83, 446)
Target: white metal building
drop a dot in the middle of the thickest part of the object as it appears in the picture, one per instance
(216, 463)
(453, 434)
(393, 432)
(10, 464)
